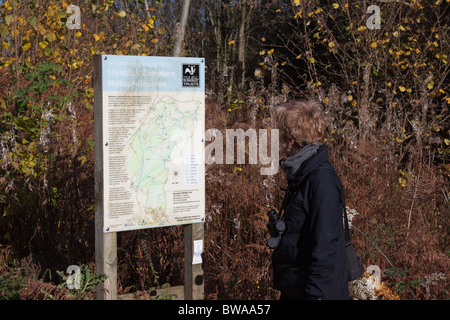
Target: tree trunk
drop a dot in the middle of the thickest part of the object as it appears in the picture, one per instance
(241, 50)
(178, 45)
(364, 114)
(146, 10)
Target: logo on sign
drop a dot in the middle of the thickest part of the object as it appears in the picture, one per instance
(191, 75)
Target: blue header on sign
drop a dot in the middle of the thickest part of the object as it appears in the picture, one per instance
(143, 73)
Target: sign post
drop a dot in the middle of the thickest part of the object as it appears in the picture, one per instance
(149, 117)
(193, 268)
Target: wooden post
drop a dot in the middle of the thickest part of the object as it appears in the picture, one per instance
(106, 263)
(105, 243)
(193, 274)
(194, 287)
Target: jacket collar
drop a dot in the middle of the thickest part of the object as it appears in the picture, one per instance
(298, 166)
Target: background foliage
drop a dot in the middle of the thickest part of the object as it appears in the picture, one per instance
(385, 93)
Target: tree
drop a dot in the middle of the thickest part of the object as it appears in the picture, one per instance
(178, 46)
(46, 100)
(390, 83)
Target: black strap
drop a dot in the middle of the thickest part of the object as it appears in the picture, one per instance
(283, 203)
(347, 229)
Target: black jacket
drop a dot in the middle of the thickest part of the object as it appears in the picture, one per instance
(310, 262)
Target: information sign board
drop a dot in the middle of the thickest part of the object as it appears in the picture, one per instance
(153, 116)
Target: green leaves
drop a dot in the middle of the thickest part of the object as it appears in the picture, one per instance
(41, 79)
(8, 19)
(82, 282)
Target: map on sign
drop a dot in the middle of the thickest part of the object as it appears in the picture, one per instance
(153, 127)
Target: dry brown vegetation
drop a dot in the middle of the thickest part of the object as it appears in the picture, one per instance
(385, 93)
(403, 229)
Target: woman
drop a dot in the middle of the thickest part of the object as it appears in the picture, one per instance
(310, 260)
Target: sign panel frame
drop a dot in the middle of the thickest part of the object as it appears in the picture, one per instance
(191, 80)
(153, 141)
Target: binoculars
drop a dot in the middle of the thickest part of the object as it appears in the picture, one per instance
(276, 228)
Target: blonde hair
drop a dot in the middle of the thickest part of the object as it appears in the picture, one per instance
(302, 121)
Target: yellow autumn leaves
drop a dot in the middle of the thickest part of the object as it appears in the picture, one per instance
(262, 52)
(430, 86)
(402, 89)
(43, 33)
